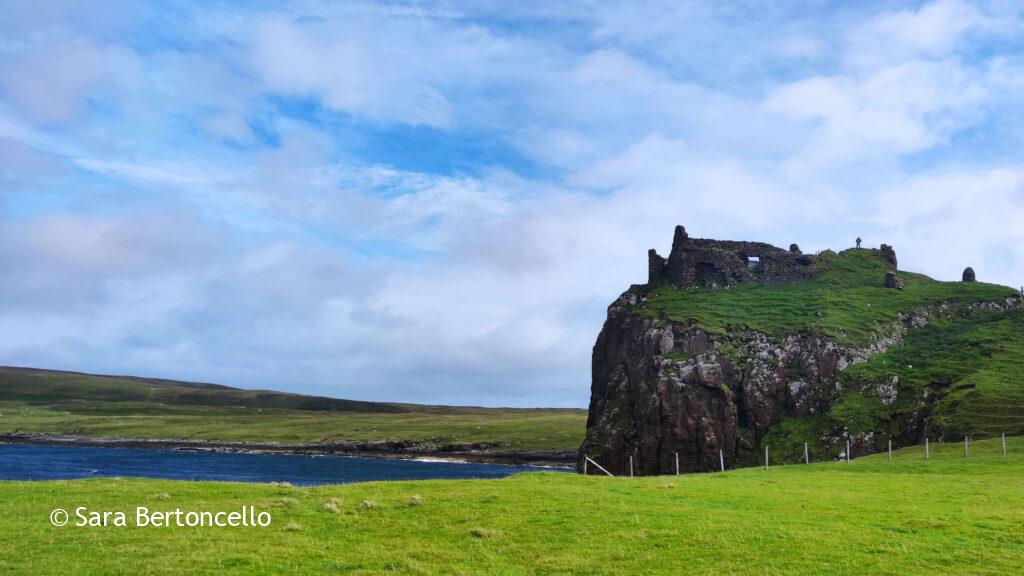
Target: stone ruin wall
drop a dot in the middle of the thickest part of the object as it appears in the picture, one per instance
(707, 263)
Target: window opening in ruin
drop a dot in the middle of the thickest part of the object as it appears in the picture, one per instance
(754, 263)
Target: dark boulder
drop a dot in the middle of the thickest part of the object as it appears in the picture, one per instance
(893, 281)
(969, 275)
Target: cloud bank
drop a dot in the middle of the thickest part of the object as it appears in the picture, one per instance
(390, 202)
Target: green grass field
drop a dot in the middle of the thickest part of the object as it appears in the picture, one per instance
(120, 407)
(947, 515)
(505, 429)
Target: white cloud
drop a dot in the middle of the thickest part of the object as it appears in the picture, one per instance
(348, 75)
(932, 31)
(946, 220)
(876, 114)
(53, 78)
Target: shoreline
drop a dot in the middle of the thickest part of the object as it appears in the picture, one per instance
(383, 449)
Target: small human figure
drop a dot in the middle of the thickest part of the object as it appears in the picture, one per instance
(858, 241)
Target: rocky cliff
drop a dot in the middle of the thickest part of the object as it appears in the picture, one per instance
(714, 358)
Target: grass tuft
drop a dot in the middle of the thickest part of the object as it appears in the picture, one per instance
(332, 505)
(286, 502)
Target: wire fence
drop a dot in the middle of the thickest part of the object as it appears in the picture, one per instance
(927, 450)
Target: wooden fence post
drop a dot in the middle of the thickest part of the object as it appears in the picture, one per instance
(765, 456)
(1004, 443)
(847, 451)
(677, 463)
(890, 451)
(630, 465)
(721, 459)
(807, 455)
(965, 446)
(926, 448)
(585, 458)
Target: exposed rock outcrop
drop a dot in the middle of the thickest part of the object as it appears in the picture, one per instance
(662, 387)
(893, 281)
(889, 255)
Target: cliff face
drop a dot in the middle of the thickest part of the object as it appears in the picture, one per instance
(661, 388)
(663, 385)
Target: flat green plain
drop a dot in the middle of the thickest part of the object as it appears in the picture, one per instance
(505, 429)
(946, 515)
(54, 402)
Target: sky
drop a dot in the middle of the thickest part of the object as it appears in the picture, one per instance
(436, 202)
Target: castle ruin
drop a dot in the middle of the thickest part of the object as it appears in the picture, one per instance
(698, 262)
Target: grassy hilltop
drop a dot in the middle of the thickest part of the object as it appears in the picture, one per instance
(970, 360)
(948, 515)
(845, 300)
(36, 401)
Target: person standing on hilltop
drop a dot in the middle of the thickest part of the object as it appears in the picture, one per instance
(858, 241)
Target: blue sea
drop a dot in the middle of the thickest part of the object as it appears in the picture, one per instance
(50, 462)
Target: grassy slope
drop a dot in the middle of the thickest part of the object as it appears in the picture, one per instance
(848, 293)
(973, 363)
(79, 404)
(948, 515)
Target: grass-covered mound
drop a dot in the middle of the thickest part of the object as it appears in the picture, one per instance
(38, 401)
(845, 301)
(948, 515)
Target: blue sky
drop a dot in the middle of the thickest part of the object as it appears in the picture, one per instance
(435, 202)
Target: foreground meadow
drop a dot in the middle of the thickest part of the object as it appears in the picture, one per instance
(947, 515)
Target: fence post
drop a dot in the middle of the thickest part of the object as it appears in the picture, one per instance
(765, 456)
(1004, 443)
(807, 457)
(847, 450)
(599, 467)
(926, 448)
(721, 459)
(585, 458)
(677, 463)
(630, 465)
(890, 450)
(965, 446)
